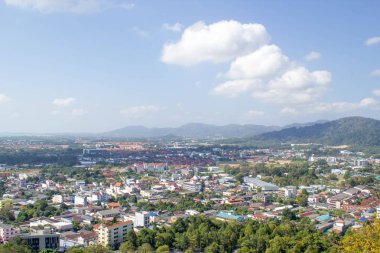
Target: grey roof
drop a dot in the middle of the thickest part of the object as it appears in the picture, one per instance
(109, 211)
(262, 184)
(351, 191)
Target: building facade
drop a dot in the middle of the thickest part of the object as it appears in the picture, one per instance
(113, 235)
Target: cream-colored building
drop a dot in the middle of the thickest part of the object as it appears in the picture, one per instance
(113, 234)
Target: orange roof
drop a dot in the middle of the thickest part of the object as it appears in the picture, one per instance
(97, 225)
(117, 184)
(114, 204)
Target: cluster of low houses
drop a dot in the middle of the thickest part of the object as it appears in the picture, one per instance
(93, 205)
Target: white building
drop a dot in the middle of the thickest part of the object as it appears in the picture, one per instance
(142, 219)
(7, 232)
(114, 234)
(42, 239)
(192, 186)
(57, 199)
(80, 200)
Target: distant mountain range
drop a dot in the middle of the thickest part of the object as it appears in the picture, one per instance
(201, 131)
(358, 131)
(345, 131)
(355, 131)
(193, 130)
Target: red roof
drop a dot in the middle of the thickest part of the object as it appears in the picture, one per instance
(114, 204)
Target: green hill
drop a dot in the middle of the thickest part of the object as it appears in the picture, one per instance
(357, 131)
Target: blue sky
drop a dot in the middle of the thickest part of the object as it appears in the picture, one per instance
(97, 65)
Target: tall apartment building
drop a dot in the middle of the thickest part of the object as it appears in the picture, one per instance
(142, 219)
(42, 239)
(80, 200)
(289, 192)
(192, 186)
(113, 234)
(7, 232)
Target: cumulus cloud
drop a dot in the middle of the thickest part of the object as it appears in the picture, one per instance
(372, 41)
(297, 85)
(289, 110)
(264, 62)
(312, 56)
(340, 107)
(177, 27)
(256, 67)
(64, 101)
(376, 92)
(74, 6)
(4, 98)
(234, 88)
(216, 43)
(140, 111)
(375, 72)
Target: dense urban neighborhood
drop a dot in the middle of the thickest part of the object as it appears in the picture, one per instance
(193, 126)
(186, 195)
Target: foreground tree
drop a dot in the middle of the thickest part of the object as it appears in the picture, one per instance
(127, 247)
(163, 249)
(75, 250)
(48, 251)
(13, 248)
(365, 240)
(97, 249)
(145, 248)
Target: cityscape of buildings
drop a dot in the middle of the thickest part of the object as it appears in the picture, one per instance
(117, 187)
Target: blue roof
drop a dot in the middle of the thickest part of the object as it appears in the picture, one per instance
(153, 214)
(372, 210)
(325, 217)
(230, 216)
(362, 219)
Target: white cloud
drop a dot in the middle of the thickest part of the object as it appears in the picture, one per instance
(340, 107)
(372, 41)
(312, 56)
(78, 112)
(367, 102)
(264, 62)
(289, 110)
(127, 6)
(4, 98)
(297, 85)
(140, 111)
(64, 101)
(256, 67)
(234, 88)
(177, 27)
(73, 6)
(216, 43)
(375, 72)
(376, 92)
